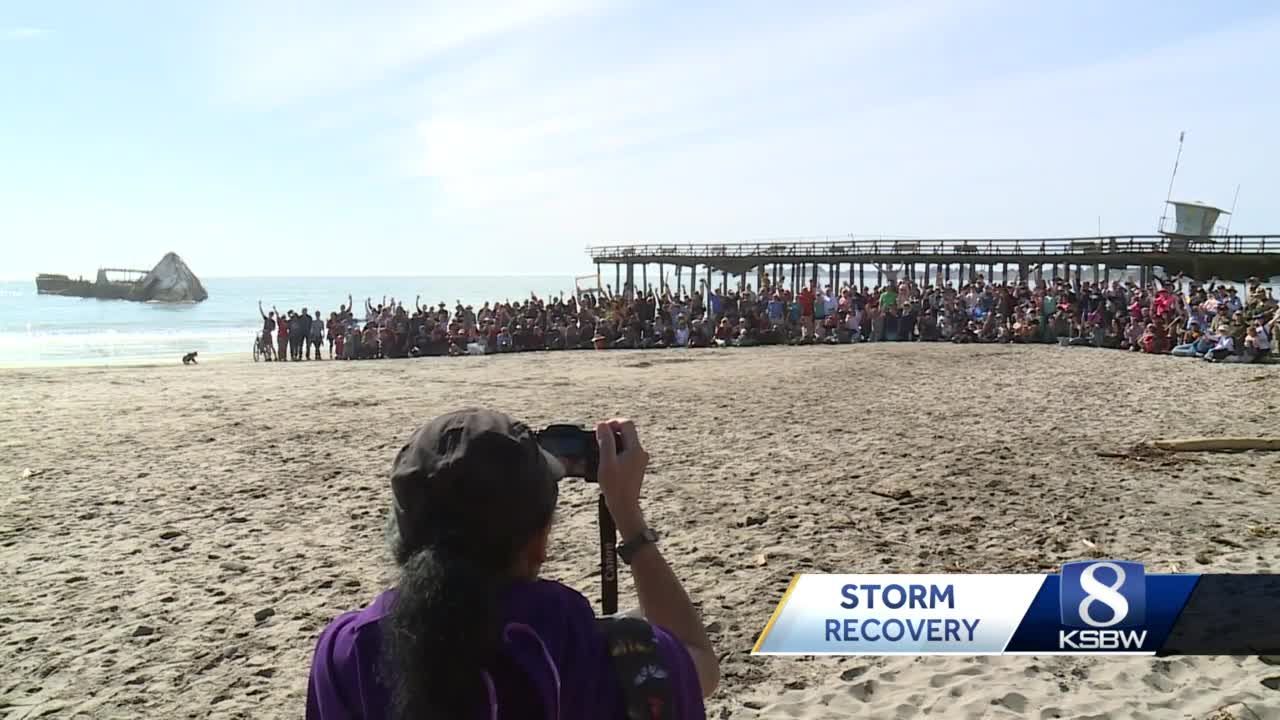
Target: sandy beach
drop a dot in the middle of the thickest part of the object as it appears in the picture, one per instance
(173, 538)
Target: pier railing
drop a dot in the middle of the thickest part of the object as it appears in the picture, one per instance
(853, 246)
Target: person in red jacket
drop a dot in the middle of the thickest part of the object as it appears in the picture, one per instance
(282, 334)
(806, 298)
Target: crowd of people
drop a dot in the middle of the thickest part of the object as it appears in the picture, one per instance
(1177, 316)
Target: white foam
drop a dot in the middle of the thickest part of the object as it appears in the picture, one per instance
(120, 345)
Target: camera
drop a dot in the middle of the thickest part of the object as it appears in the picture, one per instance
(576, 447)
(578, 450)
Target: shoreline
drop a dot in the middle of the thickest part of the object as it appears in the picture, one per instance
(125, 363)
(234, 358)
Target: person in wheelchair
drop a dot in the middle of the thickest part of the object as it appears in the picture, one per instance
(471, 631)
(268, 327)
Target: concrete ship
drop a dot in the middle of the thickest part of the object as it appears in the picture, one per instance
(169, 281)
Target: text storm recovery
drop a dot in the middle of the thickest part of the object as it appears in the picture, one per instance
(876, 599)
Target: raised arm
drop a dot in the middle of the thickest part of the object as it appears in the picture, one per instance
(260, 312)
(663, 599)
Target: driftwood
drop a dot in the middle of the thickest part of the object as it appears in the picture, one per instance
(1166, 451)
(893, 494)
(1237, 444)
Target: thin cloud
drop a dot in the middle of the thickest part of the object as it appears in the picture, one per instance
(300, 51)
(25, 33)
(560, 114)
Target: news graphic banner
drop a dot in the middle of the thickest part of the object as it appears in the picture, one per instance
(1094, 607)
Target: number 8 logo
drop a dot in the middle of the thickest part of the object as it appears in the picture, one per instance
(1105, 594)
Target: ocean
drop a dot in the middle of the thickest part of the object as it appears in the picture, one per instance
(51, 330)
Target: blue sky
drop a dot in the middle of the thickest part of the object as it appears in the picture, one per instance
(480, 137)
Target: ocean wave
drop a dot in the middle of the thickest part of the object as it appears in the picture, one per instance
(108, 346)
(110, 336)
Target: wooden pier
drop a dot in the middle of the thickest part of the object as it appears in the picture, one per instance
(857, 260)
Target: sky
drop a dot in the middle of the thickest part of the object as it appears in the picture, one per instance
(485, 137)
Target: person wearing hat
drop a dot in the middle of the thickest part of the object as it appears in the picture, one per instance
(1233, 302)
(1195, 343)
(470, 631)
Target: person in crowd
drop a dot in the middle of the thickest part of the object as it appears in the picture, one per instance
(268, 326)
(352, 344)
(1254, 349)
(471, 630)
(300, 334)
(1195, 343)
(315, 336)
(282, 334)
(1265, 331)
(1224, 348)
(333, 333)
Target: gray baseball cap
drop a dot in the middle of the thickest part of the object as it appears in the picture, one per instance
(471, 468)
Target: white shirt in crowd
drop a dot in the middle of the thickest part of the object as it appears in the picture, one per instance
(1264, 340)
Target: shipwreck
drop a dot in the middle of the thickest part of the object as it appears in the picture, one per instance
(169, 281)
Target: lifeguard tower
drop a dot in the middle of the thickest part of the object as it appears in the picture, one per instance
(1193, 224)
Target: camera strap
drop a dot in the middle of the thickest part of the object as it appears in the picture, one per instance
(608, 560)
(642, 676)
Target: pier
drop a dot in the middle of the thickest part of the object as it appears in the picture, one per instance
(868, 261)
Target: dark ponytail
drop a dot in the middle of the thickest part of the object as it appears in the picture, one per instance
(444, 628)
(440, 635)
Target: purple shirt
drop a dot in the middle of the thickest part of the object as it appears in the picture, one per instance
(551, 636)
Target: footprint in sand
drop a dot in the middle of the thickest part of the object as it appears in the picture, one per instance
(864, 690)
(948, 678)
(1016, 702)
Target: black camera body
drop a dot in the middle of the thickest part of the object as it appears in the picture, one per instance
(576, 447)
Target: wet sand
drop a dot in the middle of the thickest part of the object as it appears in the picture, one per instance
(172, 538)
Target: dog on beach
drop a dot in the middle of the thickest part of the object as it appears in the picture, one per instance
(190, 358)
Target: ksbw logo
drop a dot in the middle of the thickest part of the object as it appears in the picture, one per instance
(1100, 597)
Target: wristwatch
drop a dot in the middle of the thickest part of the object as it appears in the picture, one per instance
(629, 548)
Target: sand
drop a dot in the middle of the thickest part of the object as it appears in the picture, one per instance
(172, 538)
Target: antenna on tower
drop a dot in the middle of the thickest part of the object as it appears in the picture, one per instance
(1227, 230)
(1169, 195)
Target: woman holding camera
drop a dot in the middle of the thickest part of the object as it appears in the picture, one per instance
(470, 631)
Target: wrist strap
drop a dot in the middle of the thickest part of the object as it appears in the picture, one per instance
(631, 546)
